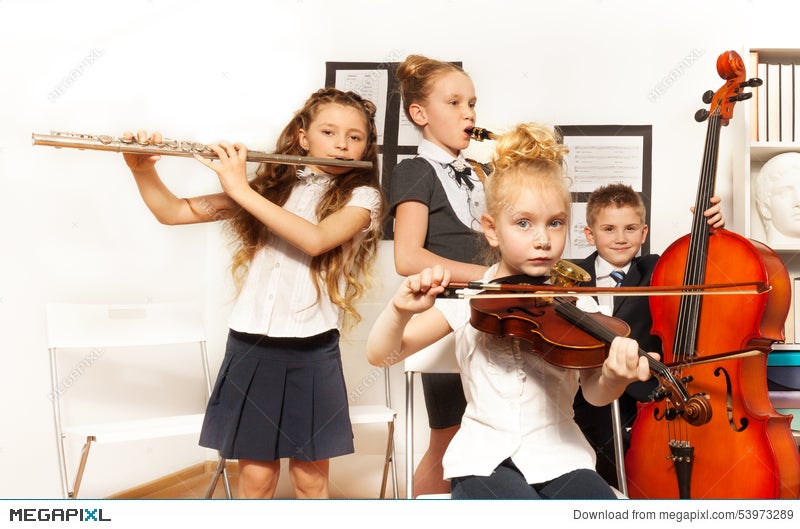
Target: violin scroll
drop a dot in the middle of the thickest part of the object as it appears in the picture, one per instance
(698, 410)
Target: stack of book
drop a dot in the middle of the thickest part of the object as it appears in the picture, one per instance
(773, 115)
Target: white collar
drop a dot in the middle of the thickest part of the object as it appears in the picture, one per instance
(603, 268)
(312, 177)
(433, 152)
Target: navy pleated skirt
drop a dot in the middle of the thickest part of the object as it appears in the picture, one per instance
(279, 398)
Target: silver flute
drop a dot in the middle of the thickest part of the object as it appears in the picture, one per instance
(168, 147)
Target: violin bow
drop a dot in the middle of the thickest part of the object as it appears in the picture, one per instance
(522, 290)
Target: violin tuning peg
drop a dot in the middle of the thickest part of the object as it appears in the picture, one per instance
(708, 96)
(755, 81)
(741, 97)
(660, 395)
(701, 115)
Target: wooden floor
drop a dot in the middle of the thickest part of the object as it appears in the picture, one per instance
(193, 483)
(190, 483)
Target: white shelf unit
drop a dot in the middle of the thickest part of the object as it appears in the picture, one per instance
(747, 163)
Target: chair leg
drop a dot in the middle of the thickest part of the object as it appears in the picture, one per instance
(81, 466)
(221, 470)
(619, 452)
(226, 483)
(387, 386)
(395, 492)
(387, 461)
(409, 435)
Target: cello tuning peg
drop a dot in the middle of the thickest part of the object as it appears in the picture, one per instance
(708, 96)
(701, 115)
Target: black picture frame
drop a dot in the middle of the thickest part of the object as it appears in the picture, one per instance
(646, 183)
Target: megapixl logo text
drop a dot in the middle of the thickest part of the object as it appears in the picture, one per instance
(57, 515)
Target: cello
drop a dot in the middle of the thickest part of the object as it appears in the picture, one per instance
(746, 449)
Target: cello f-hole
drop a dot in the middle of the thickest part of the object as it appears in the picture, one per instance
(729, 401)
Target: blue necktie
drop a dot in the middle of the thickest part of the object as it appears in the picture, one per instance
(618, 276)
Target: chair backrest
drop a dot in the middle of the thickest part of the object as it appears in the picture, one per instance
(436, 358)
(72, 325)
(151, 330)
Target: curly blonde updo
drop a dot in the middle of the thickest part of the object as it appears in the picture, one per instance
(531, 156)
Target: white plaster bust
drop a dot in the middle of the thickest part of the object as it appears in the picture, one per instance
(777, 197)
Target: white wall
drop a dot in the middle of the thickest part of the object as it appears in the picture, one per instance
(75, 228)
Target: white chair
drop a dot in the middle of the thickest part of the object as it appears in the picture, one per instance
(120, 328)
(437, 358)
(372, 414)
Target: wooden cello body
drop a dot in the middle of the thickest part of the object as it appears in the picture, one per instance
(746, 449)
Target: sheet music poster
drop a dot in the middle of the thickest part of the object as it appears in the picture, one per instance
(601, 155)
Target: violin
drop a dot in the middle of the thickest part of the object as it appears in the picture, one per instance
(534, 319)
(566, 336)
(551, 336)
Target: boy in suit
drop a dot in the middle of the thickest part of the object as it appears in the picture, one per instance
(615, 225)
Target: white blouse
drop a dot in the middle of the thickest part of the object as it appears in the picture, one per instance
(518, 406)
(467, 204)
(278, 297)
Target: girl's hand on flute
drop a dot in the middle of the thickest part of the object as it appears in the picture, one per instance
(138, 162)
(231, 168)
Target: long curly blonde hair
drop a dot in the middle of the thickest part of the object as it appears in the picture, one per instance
(346, 271)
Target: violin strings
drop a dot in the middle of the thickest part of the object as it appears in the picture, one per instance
(578, 317)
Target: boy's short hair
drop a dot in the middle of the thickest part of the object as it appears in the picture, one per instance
(613, 195)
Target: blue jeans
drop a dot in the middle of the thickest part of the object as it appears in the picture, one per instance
(507, 482)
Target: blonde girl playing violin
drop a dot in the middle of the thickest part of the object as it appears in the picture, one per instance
(306, 240)
(517, 438)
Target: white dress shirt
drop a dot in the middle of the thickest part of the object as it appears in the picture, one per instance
(278, 297)
(518, 406)
(603, 269)
(467, 204)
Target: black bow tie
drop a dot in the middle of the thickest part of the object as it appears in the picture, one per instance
(462, 176)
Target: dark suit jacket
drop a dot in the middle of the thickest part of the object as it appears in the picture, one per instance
(635, 311)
